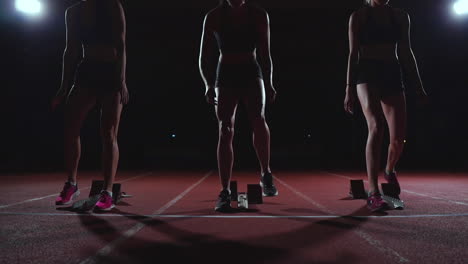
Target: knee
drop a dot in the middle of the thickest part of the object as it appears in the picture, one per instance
(226, 129)
(258, 120)
(109, 136)
(376, 128)
(397, 143)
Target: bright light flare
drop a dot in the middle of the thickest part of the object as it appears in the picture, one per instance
(461, 7)
(32, 7)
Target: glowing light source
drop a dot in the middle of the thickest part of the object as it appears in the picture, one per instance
(32, 7)
(461, 7)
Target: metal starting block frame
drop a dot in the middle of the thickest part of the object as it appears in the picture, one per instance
(390, 193)
(252, 196)
(117, 194)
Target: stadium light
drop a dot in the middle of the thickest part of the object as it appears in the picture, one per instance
(461, 7)
(31, 7)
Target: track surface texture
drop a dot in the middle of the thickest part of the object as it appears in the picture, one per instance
(170, 219)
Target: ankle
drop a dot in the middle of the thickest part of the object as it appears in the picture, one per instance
(373, 192)
(73, 183)
(108, 192)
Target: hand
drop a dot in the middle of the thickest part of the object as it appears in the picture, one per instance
(210, 95)
(350, 100)
(58, 99)
(124, 96)
(270, 94)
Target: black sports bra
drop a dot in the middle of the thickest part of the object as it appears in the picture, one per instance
(374, 33)
(101, 31)
(236, 39)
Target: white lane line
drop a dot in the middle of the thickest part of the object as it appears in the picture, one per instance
(236, 216)
(365, 236)
(305, 197)
(55, 194)
(106, 250)
(435, 198)
(407, 191)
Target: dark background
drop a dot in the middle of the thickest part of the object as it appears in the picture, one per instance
(308, 124)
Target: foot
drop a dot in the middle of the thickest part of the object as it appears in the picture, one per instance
(105, 202)
(223, 204)
(392, 179)
(375, 203)
(268, 188)
(67, 195)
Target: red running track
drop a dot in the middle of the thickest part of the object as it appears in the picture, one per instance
(170, 219)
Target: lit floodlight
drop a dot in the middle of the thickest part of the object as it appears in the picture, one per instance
(32, 7)
(461, 7)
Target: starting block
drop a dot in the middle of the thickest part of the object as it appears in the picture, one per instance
(391, 194)
(390, 190)
(93, 197)
(253, 195)
(117, 194)
(357, 190)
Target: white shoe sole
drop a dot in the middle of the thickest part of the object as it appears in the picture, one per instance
(105, 209)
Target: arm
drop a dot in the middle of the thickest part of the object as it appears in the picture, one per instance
(352, 63)
(406, 56)
(71, 54)
(264, 55)
(353, 54)
(120, 28)
(263, 51)
(206, 57)
(120, 41)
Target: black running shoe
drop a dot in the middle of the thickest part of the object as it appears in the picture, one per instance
(224, 202)
(269, 189)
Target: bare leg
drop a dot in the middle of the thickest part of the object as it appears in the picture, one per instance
(394, 109)
(373, 113)
(79, 103)
(110, 119)
(225, 111)
(255, 103)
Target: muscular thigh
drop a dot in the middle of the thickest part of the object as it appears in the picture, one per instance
(111, 109)
(254, 98)
(394, 109)
(227, 101)
(79, 102)
(370, 102)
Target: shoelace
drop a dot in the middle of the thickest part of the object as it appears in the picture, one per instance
(64, 190)
(268, 180)
(376, 199)
(104, 198)
(224, 195)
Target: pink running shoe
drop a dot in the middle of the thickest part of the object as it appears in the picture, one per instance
(67, 195)
(375, 203)
(105, 202)
(392, 179)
